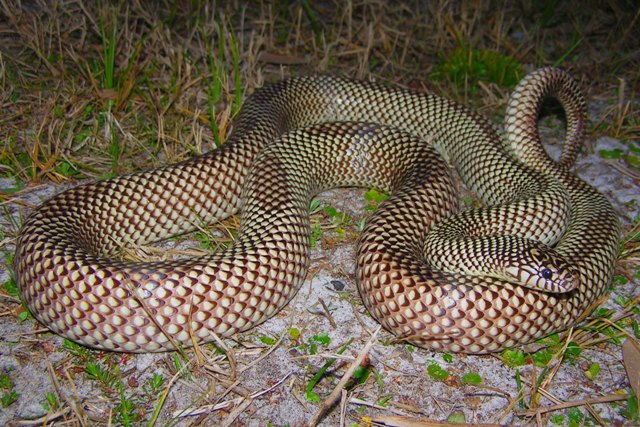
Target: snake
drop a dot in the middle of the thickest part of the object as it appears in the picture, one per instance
(533, 259)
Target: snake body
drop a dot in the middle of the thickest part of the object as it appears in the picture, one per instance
(555, 261)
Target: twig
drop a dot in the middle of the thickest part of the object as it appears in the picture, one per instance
(558, 401)
(263, 355)
(78, 411)
(235, 413)
(46, 419)
(335, 394)
(226, 404)
(344, 395)
(400, 421)
(565, 405)
(328, 314)
(361, 402)
(231, 358)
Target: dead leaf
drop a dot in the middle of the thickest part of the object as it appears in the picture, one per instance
(631, 360)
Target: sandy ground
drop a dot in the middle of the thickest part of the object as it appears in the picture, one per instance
(37, 362)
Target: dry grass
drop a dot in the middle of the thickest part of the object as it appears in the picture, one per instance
(94, 90)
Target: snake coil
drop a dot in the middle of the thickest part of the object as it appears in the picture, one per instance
(530, 263)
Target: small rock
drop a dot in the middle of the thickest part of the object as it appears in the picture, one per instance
(338, 285)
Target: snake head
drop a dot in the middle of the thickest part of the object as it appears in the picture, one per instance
(541, 268)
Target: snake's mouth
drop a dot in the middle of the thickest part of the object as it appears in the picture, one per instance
(559, 278)
(557, 281)
(570, 282)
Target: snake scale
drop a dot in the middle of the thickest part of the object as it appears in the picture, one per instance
(531, 262)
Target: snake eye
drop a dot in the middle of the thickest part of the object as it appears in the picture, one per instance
(546, 274)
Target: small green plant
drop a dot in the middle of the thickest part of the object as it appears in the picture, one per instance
(126, 409)
(264, 339)
(332, 219)
(514, 357)
(472, 378)
(314, 206)
(154, 385)
(68, 169)
(338, 219)
(631, 412)
(374, 197)
(630, 156)
(383, 400)
(103, 374)
(436, 371)
(208, 240)
(77, 350)
(9, 395)
(179, 364)
(519, 386)
(465, 67)
(105, 371)
(614, 154)
(11, 288)
(109, 36)
(359, 376)
(16, 162)
(51, 402)
(316, 235)
(309, 393)
(574, 417)
(456, 417)
(294, 334)
(311, 346)
(592, 371)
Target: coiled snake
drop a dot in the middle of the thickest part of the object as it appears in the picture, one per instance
(476, 291)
